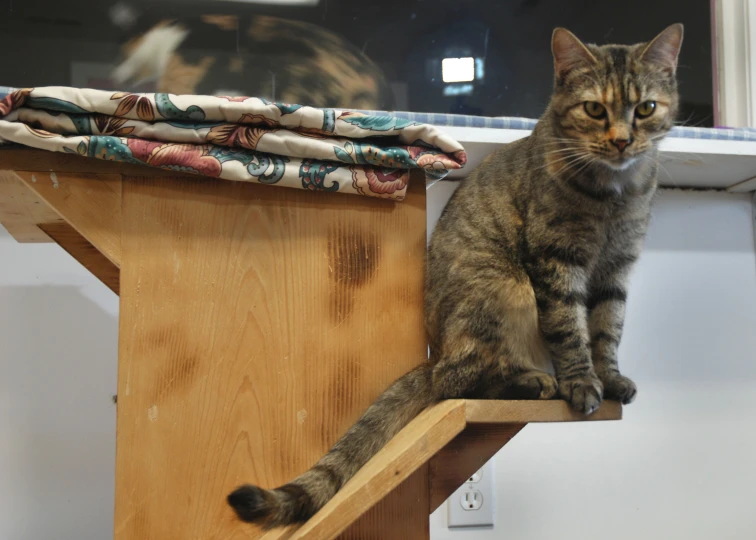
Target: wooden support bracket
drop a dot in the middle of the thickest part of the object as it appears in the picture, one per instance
(456, 436)
(21, 210)
(90, 203)
(80, 249)
(464, 455)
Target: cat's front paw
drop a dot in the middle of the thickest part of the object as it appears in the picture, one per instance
(583, 393)
(618, 387)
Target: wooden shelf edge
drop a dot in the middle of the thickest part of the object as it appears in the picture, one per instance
(21, 159)
(524, 412)
(420, 441)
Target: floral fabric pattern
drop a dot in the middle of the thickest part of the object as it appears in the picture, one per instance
(243, 139)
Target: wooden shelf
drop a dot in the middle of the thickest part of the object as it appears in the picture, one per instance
(696, 163)
(453, 437)
(525, 412)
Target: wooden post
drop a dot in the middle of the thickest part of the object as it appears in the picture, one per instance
(256, 325)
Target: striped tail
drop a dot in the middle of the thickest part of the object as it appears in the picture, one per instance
(301, 498)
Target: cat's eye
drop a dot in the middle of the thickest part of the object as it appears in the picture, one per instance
(595, 109)
(645, 109)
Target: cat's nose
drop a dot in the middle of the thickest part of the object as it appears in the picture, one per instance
(621, 144)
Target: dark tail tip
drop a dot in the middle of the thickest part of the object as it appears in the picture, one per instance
(251, 504)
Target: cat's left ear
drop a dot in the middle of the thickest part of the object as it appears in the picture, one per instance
(665, 48)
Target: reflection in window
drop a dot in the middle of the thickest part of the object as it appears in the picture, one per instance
(447, 56)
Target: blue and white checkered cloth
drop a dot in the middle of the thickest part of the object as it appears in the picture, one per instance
(459, 120)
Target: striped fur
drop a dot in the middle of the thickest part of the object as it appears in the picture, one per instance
(528, 266)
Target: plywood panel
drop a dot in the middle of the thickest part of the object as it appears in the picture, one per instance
(257, 324)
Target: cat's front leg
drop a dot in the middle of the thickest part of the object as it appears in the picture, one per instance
(560, 293)
(606, 306)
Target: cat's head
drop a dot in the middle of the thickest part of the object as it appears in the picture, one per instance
(612, 104)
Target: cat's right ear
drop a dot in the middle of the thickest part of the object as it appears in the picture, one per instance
(665, 48)
(569, 52)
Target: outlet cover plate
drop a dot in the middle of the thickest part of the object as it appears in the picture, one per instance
(483, 483)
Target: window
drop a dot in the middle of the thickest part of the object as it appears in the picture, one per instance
(479, 57)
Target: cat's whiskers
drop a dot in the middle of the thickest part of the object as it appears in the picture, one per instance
(564, 150)
(548, 150)
(568, 158)
(656, 160)
(582, 168)
(558, 140)
(589, 158)
(670, 157)
(684, 123)
(577, 151)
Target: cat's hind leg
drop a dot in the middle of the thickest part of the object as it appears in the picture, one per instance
(533, 384)
(524, 360)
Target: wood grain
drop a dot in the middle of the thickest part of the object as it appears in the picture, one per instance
(404, 454)
(90, 203)
(90, 258)
(372, 525)
(257, 323)
(21, 210)
(467, 453)
(523, 412)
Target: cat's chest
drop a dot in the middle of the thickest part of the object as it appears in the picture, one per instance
(623, 231)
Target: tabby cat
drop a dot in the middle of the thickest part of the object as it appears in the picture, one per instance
(528, 266)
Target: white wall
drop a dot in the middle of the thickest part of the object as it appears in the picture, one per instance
(58, 352)
(681, 465)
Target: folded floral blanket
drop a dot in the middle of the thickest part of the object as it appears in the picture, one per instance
(236, 138)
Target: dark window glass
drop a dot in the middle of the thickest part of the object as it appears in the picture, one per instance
(385, 54)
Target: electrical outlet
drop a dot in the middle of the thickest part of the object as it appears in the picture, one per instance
(471, 500)
(472, 504)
